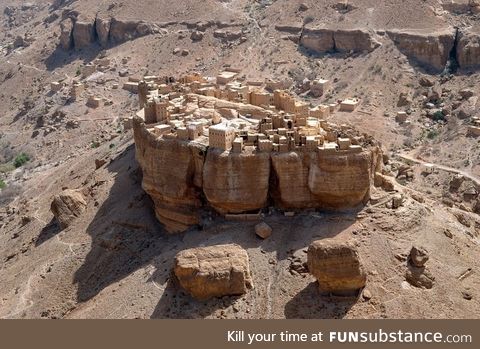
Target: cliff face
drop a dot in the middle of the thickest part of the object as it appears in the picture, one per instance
(172, 177)
(78, 34)
(290, 180)
(341, 40)
(182, 177)
(429, 49)
(340, 181)
(314, 180)
(235, 183)
(468, 49)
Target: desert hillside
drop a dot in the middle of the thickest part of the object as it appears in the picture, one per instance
(116, 259)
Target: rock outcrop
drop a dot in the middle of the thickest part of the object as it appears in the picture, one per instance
(66, 38)
(102, 27)
(121, 31)
(418, 256)
(329, 181)
(182, 177)
(83, 34)
(235, 183)
(67, 206)
(338, 40)
(417, 273)
(80, 33)
(337, 267)
(429, 49)
(214, 271)
(172, 176)
(468, 49)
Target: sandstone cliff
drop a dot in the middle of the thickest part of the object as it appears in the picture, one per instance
(80, 33)
(182, 177)
(172, 177)
(313, 180)
(235, 183)
(290, 181)
(430, 49)
(468, 49)
(340, 181)
(340, 40)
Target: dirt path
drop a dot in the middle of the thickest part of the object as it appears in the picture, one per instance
(407, 158)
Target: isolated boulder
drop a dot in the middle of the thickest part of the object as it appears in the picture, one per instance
(337, 267)
(263, 230)
(67, 206)
(417, 274)
(419, 277)
(418, 256)
(213, 271)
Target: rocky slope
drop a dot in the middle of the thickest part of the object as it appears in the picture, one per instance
(115, 260)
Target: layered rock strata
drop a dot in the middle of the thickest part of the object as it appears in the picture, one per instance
(214, 271)
(181, 177)
(337, 267)
(431, 49)
(341, 40)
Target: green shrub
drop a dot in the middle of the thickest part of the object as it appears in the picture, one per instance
(438, 116)
(432, 134)
(21, 160)
(2, 184)
(94, 144)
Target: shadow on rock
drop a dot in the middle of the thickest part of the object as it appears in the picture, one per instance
(176, 304)
(59, 57)
(126, 237)
(310, 304)
(48, 232)
(125, 234)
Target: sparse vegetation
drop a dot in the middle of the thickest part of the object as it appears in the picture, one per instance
(94, 144)
(438, 116)
(21, 160)
(7, 167)
(431, 134)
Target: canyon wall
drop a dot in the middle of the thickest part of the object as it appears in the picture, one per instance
(321, 39)
(468, 49)
(172, 177)
(182, 177)
(78, 32)
(431, 49)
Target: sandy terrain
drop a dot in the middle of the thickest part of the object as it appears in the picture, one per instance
(115, 261)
